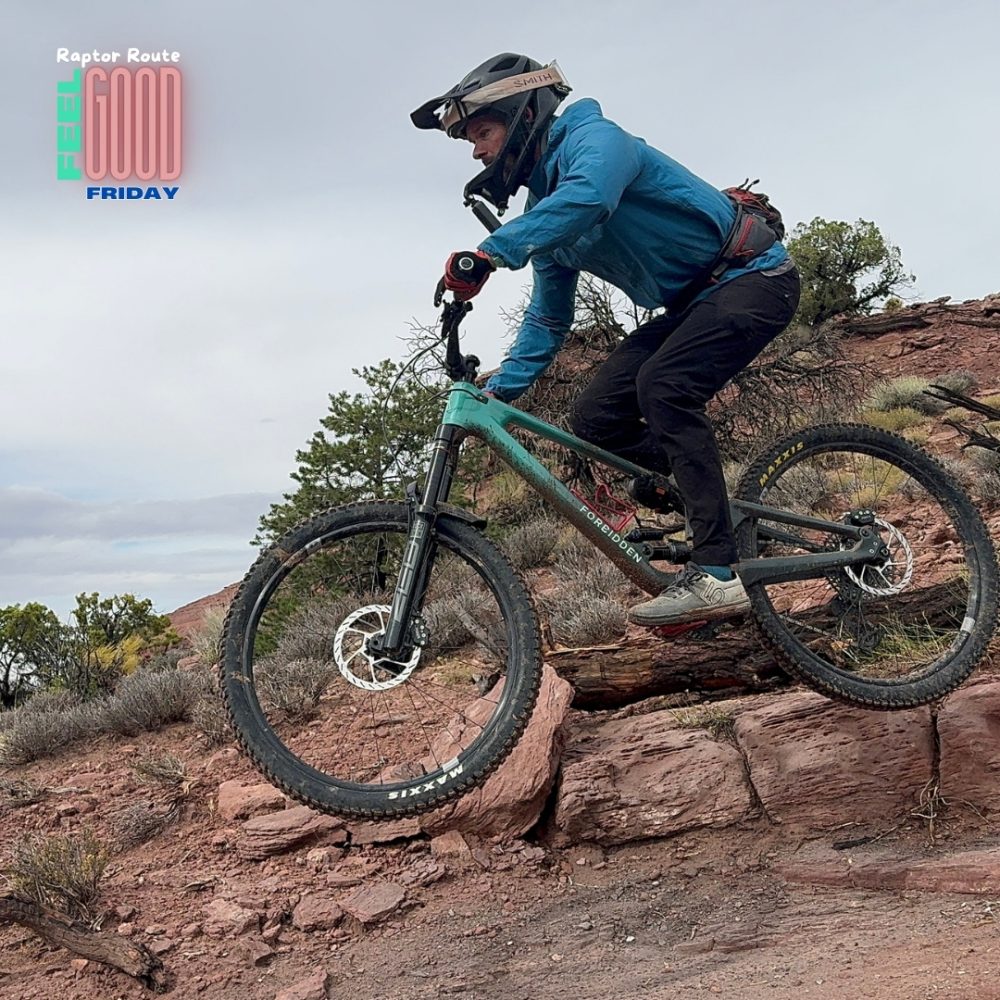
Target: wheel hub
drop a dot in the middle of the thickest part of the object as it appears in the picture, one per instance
(892, 574)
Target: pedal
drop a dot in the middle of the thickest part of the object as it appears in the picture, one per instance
(656, 493)
(673, 631)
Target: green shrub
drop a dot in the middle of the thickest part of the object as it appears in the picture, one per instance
(37, 734)
(62, 873)
(578, 617)
(143, 702)
(146, 702)
(50, 700)
(531, 544)
(588, 606)
(292, 688)
(907, 391)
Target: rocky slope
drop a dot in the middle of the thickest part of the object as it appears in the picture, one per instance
(777, 845)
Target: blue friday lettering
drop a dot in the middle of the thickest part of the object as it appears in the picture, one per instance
(130, 193)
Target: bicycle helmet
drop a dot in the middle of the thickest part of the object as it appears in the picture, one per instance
(506, 87)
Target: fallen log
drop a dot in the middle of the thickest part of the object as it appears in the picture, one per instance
(720, 664)
(875, 326)
(63, 932)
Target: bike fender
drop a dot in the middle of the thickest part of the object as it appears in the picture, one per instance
(450, 510)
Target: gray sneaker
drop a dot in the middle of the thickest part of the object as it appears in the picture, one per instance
(694, 596)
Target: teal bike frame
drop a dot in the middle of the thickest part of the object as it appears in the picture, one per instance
(469, 412)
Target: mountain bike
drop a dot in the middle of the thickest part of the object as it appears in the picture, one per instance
(415, 644)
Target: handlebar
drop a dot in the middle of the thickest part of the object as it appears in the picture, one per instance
(462, 367)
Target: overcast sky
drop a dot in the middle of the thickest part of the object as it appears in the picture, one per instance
(162, 362)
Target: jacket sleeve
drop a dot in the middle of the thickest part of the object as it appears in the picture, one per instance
(546, 322)
(597, 162)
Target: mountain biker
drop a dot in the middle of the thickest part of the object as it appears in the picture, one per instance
(603, 201)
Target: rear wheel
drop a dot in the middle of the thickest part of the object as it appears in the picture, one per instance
(346, 731)
(903, 630)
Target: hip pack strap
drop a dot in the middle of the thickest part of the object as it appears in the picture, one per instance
(748, 237)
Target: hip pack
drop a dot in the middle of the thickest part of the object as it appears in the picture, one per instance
(756, 228)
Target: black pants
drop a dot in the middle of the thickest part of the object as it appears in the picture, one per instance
(647, 401)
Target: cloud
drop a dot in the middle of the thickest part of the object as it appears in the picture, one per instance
(172, 551)
(34, 514)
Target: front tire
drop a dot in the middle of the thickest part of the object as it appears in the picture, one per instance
(346, 732)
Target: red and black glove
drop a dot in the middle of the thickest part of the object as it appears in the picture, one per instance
(466, 272)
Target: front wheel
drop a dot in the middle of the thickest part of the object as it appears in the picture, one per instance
(904, 629)
(342, 729)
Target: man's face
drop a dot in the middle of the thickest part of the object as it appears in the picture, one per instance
(487, 136)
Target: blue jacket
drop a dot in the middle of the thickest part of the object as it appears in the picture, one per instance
(601, 200)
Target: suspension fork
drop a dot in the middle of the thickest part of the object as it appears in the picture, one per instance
(421, 544)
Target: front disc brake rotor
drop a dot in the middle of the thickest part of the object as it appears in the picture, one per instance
(356, 664)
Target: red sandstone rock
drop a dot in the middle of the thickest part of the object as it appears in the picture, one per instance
(369, 904)
(316, 912)
(818, 764)
(975, 872)
(239, 801)
(629, 779)
(512, 799)
(969, 731)
(224, 917)
(384, 832)
(281, 831)
(313, 988)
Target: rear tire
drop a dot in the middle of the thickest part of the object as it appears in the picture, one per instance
(889, 636)
(384, 739)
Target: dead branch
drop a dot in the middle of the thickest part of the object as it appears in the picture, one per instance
(875, 326)
(63, 932)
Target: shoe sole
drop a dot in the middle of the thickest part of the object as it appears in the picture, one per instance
(699, 615)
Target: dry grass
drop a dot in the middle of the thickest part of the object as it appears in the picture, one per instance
(719, 721)
(292, 688)
(62, 873)
(897, 419)
(577, 618)
(208, 714)
(205, 640)
(986, 459)
(15, 793)
(986, 489)
(930, 808)
(141, 821)
(160, 769)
